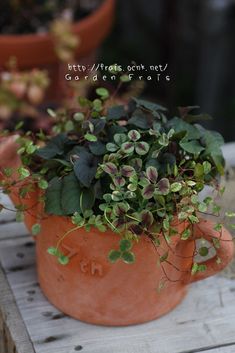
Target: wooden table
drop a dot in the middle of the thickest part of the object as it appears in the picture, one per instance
(204, 322)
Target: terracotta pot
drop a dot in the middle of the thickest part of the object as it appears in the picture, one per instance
(10, 159)
(93, 290)
(37, 50)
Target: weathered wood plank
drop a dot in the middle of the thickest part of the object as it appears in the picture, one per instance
(8, 214)
(12, 230)
(8, 227)
(13, 333)
(204, 320)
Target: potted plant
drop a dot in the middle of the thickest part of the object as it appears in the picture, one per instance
(24, 32)
(114, 205)
(46, 34)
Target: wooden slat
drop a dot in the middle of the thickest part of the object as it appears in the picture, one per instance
(13, 333)
(205, 320)
(8, 227)
(12, 230)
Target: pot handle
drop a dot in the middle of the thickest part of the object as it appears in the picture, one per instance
(225, 252)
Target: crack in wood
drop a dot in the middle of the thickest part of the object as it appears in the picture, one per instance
(209, 348)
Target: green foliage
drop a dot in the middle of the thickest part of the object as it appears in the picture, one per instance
(36, 229)
(123, 253)
(61, 258)
(129, 169)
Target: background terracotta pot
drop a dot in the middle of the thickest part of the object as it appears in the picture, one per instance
(91, 289)
(37, 50)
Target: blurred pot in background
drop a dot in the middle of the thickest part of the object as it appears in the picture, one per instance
(84, 26)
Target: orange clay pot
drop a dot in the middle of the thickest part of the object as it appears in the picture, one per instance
(93, 290)
(37, 50)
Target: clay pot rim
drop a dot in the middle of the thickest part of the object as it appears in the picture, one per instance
(81, 25)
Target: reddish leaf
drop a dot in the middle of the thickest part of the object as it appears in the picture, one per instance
(127, 171)
(109, 168)
(152, 174)
(148, 191)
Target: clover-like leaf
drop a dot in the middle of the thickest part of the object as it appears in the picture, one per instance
(148, 191)
(202, 207)
(120, 139)
(43, 184)
(23, 172)
(111, 147)
(90, 137)
(102, 92)
(206, 167)
(136, 163)
(134, 135)
(120, 209)
(114, 255)
(146, 218)
(128, 257)
(163, 140)
(119, 181)
(53, 251)
(63, 260)
(125, 244)
(142, 148)
(127, 171)
(127, 147)
(109, 168)
(163, 186)
(152, 174)
(175, 187)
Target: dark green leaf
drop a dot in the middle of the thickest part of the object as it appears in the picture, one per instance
(85, 168)
(179, 125)
(128, 257)
(97, 148)
(70, 195)
(139, 119)
(114, 255)
(149, 105)
(193, 146)
(53, 148)
(53, 197)
(125, 245)
(116, 113)
(87, 199)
